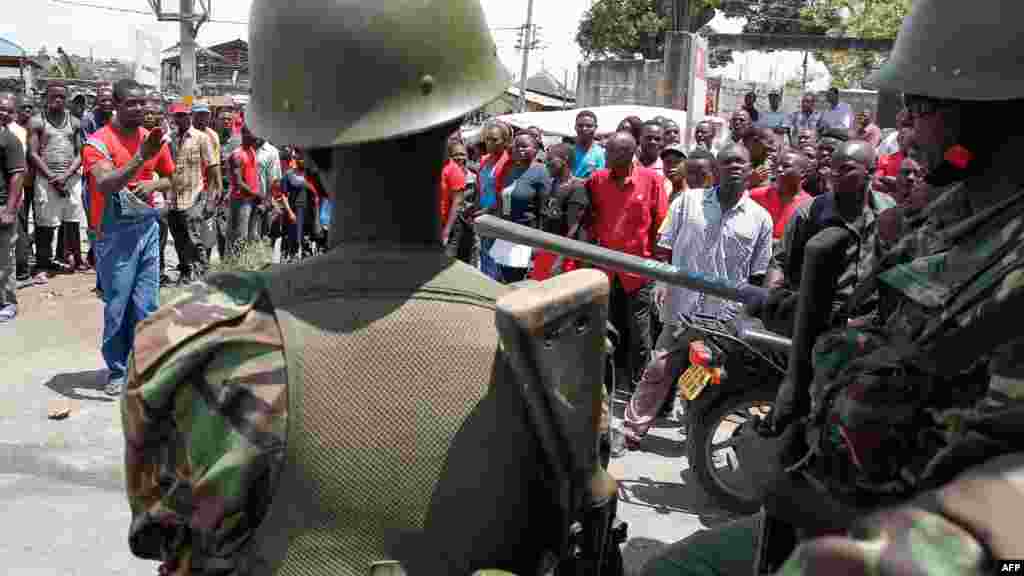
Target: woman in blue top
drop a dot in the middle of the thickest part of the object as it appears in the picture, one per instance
(523, 185)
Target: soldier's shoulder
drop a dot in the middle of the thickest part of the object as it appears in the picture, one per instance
(897, 543)
(225, 307)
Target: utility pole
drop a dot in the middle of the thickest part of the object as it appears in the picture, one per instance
(188, 52)
(565, 91)
(527, 45)
(803, 82)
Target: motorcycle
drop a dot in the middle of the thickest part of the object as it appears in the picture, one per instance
(734, 374)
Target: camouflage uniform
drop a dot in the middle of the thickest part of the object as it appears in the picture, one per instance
(940, 278)
(945, 275)
(208, 370)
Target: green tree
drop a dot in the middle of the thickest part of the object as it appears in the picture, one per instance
(859, 19)
(622, 28)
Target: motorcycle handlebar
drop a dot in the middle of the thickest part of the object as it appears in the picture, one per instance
(494, 227)
(765, 339)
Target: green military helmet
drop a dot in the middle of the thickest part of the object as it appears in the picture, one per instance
(376, 70)
(928, 60)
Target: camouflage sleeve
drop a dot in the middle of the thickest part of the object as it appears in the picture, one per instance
(969, 523)
(204, 415)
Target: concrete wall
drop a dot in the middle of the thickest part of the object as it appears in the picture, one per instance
(610, 82)
(732, 93)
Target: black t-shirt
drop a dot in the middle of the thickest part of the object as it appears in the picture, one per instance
(555, 206)
(12, 160)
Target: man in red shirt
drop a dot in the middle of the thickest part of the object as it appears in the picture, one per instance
(245, 190)
(782, 197)
(129, 171)
(627, 204)
(890, 164)
(453, 184)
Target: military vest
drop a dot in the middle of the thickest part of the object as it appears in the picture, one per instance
(905, 407)
(408, 441)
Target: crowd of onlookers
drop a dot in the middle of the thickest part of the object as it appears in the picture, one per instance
(738, 204)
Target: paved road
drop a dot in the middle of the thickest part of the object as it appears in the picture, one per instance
(61, 482)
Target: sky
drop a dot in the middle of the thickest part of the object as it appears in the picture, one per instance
(79, 29)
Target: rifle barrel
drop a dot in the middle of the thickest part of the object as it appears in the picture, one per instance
(494, 227)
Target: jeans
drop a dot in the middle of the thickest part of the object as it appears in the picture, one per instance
(240, 212)
(726, 550)
(292, 245)
(128, 265)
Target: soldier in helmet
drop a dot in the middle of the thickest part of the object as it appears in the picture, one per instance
(351, 410)
(942, 373)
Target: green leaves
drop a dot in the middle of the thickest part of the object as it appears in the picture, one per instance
(863, 19)
(622, 28)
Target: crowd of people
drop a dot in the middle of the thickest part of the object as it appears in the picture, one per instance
(218, 187)
(739, 206)
(210, 184)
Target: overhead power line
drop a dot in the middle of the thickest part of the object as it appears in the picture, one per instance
(213, 20)
(135, 11)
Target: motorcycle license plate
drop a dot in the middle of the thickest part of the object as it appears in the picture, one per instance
(693, 381)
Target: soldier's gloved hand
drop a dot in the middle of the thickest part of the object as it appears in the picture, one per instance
(776, 312)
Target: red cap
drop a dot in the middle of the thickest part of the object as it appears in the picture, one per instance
(179, 108)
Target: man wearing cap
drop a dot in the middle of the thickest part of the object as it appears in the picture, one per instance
(673, 160)
(194, 163)
(209, 223)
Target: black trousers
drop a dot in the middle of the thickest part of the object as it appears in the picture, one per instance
(630, 313)
(176, 223)
(463, 242)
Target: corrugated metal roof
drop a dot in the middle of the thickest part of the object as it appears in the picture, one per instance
(538, 99)
(10, 49)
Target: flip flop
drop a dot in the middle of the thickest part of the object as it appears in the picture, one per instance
(8, 313)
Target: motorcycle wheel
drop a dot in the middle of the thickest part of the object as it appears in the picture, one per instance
(712, 435)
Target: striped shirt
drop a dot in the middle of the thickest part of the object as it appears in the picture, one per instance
(733, 245)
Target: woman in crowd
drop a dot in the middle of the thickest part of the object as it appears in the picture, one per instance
(631, 124)
(561, 212)
(523, 185)
(496, 137)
